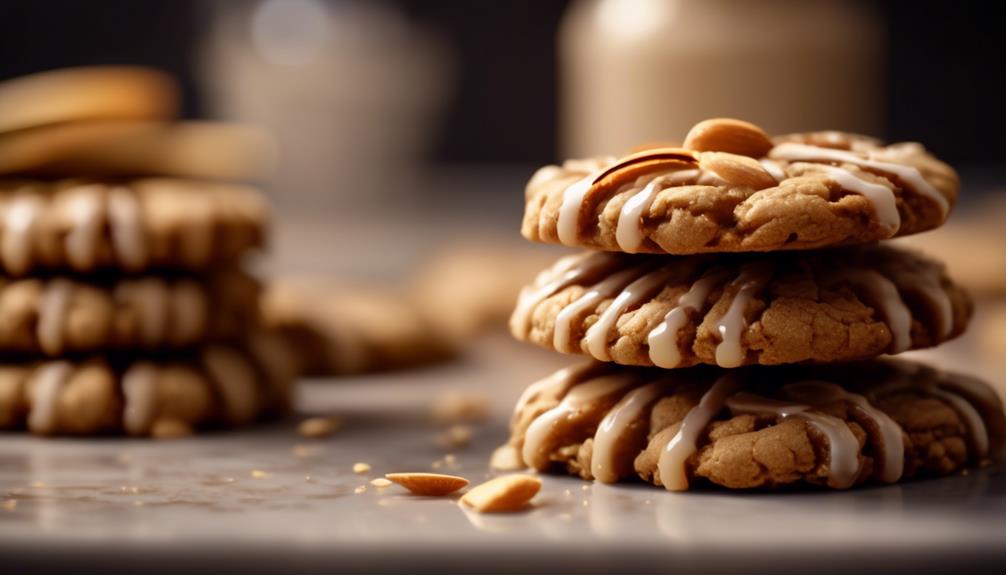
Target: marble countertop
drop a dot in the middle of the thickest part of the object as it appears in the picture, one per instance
(266, 498)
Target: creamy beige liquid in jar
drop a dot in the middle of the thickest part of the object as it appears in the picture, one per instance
(641, 71)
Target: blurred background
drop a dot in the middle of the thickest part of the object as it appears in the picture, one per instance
(407, 118)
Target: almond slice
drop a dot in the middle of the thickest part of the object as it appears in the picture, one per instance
(502, 494)
(740, 171)
(431, 484)
(728, 135)
(634, 165)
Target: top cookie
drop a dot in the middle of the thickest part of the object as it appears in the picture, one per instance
(731, 188)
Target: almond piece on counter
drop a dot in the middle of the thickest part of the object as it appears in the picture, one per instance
(728, 135)
(740, 171)
(430, 484)
(318, 427)
(502, 494)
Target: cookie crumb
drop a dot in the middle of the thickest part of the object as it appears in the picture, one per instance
(361, 467)
(506, 458)
(309, 479)
(318, 427)
(258, 474)
(38, 484)
(360, 489)
(430, 484)
(455, 436)
(380, 482)
(503, 494)
(460, 407)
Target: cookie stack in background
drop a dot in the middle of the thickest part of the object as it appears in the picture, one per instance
(123, 304)
(734, 306)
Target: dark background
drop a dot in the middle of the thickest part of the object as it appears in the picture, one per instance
(944, 68)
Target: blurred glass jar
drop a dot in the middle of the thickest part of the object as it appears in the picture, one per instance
(635, 71)
(351, 91)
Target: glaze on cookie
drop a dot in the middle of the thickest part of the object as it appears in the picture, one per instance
(732, 189)
(831, 426)
(833, 305)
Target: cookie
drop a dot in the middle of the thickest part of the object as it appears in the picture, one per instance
(832, 305)
(732, 189)
(212, 150)
(220, 386)
(130, 225)
(87, 93)
(341, 330)
(470, 289)
(760, 427)
(53, 316)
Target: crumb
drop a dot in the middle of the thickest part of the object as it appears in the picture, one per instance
(360, 489)
(318, 427)
(258, 474)
(458, 407)
(455, 436)
(361, 467)
(380, 482)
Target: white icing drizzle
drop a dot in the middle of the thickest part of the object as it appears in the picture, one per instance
(663, 340)
(566, 272)
(568, 225)
(907, 174)
(633, 294)
(773, 169)
(892, 446)
(730, 351)
(843, 461)
(126, 229)
(53, 304)
(46, 384)
(880, 197)
(85, 207)
(593, 296)
(614, 425)
(884, 294)
(139, 389)
(684, 443)
(20, 218)
(972, 419)
(629, 231)
(577, 397)
(555, 384)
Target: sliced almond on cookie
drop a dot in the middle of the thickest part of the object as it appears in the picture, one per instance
(728, 135)
(430, 484)
(740, 171)
(652, 160)
(502, 494)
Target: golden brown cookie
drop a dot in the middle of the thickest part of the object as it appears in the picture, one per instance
(219, 386)
(338, 329)
(732, 189)
(96, 149)
(830, 426)
(87, 93)
(832, 305)
(54, 316)
(130, 225)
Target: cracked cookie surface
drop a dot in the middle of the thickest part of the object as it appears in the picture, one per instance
(833, 305)
(733, 189)
(830, 426)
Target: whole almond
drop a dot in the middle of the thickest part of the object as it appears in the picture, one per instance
(740, 171)
(430, 484)
(502, 494)
(728, 135)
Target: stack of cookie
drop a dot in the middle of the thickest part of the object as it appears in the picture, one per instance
(123, 307)
(734, 308)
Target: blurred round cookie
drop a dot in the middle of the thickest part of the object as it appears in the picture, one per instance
(470, 288)
(86, 93)
(340, 329)
(158, 396)
(86, 225)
